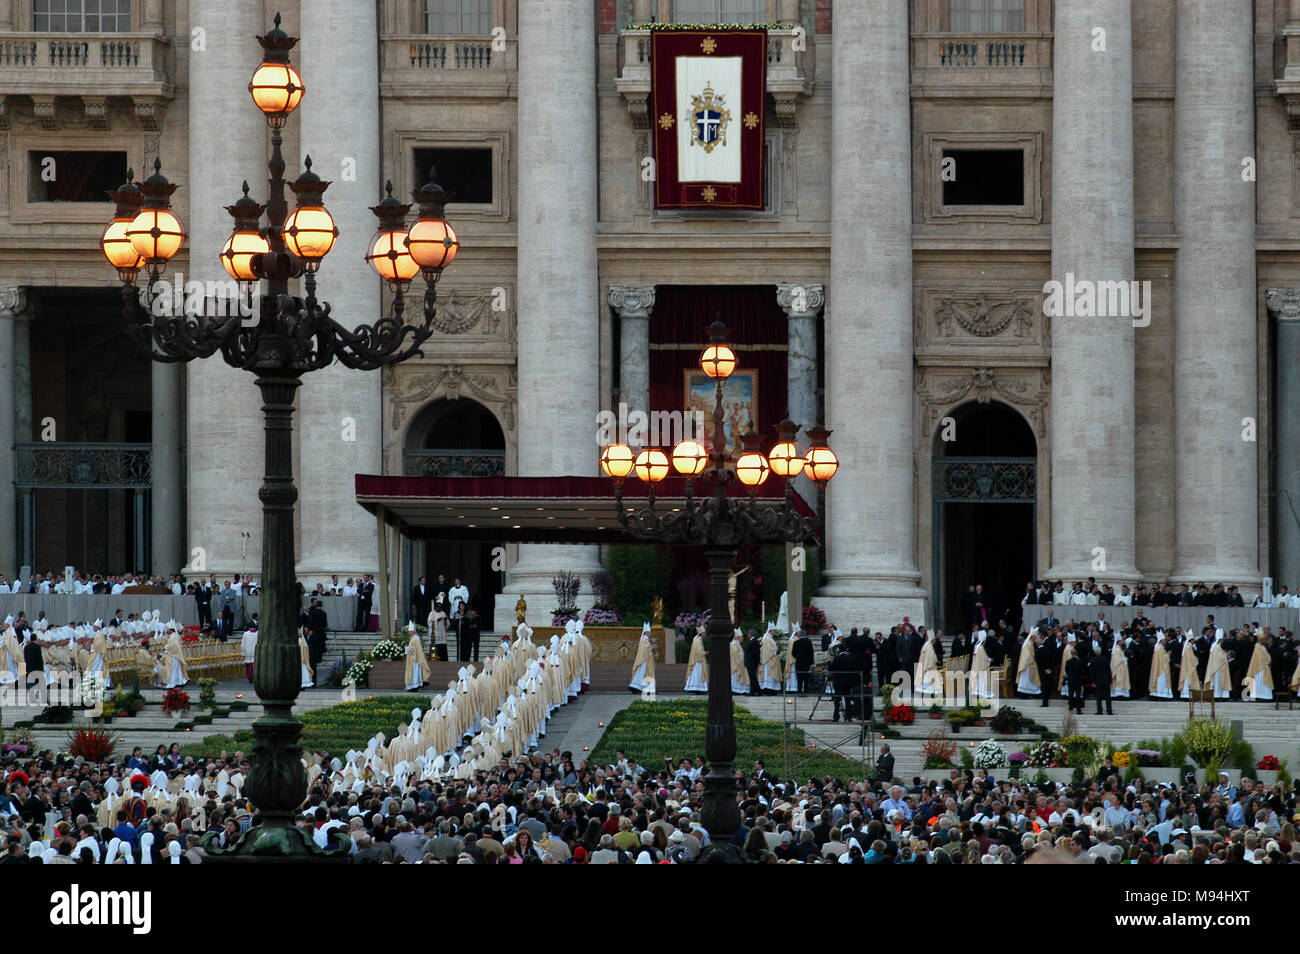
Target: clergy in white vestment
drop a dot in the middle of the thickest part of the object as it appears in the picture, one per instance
(417, 665)
(174, 672)
(1259, 674)
(643, 668)
(739, 675)
(1071, 650)
(928, 678)
(697, 666)
(98, 660)
(1028, 681)
(1119, 681)
(783, 617)
(791, 677)
(304, 655)
(769, 661)
(1188, 680)
(248, 645)
(1217, 676)
(1160, 684)
(11, 657)
(980, 677)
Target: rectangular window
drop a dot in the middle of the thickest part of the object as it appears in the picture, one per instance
(81, 16)
(986, 16)
(719, 11)
(465, 171)
(60, 175)
(458, 17)
(983, 176)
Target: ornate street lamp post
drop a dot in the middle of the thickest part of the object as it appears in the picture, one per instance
(292, 336)
(721, 524)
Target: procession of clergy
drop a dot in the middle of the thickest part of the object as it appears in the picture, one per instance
(1174, 664)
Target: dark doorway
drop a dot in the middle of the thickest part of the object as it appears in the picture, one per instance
(459, 438)
(985, 512)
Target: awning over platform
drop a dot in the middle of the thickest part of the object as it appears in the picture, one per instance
(523, 509)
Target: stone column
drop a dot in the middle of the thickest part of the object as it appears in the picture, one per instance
(1284, 305)
(339, 409)
(801, 304)
(559, 296)
(13, 301)
(167, 503)
(633, 304)
(871, 575)
(1092, 241)
(151, 19)
(1216, 508)
(23, 432)
(228, 144)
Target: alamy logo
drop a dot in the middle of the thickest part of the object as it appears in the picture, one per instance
(75, 908)
(1084, 298)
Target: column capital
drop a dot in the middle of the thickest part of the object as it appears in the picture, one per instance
(798, 300)
(1283, 303)
(632, 301)
(13, 300)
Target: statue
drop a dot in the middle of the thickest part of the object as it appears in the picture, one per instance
(731, 591)
(657, 614)
(521, 608)
(783, 614)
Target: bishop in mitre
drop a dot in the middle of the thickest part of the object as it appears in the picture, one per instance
(417, 664)
(697, 666)
(1217, 676)
(1119, 679)
(1188, 681)
(769, 661)
(929, 679)
(1028, 681)
(739, 675)
(1160, 683)
(1259, 674)
(173, 662)
(643, 668)
(980, 676)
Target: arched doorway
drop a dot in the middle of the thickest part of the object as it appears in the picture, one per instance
(985, 488)
(456, 438)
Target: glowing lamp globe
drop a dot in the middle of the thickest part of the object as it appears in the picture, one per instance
(155, 234)
(309, 232)
(652, 465)
(690, 458)
(752, 469)
(389, 257)
(785, 459)
(432, 243)
(718, 361)
(820, 464)
(117, 248)
(277, 90)
(240, 251)
(616, 461)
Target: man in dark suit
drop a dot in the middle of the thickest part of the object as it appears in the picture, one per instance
(472, 629)
(1049, 621)
(421, 602)
(223, 629)
(365, 599)
(203, 600)
(885, 764)
(844, 683)
(802, 652)
(753, 656)
(1099, 670)
(318, 627)
(1046, 658)
(1074, 675)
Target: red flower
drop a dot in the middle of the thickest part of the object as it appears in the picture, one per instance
(900, 714)
(1268, 763)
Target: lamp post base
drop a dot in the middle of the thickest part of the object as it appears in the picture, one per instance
(274, 844)
(722, 854)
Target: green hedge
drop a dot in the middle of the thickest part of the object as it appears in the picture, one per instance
(651, 731)
(348, 725)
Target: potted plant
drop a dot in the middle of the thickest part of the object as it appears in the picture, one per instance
(566, 586)
(387, 665)
(176, 700)
(207, 693)
(956, 719)
(936, 711)
(900, 715)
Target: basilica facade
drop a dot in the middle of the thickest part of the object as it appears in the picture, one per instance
(1033, 262)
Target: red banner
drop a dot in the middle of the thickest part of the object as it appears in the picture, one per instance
(708, 96)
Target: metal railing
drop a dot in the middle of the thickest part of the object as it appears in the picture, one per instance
(450, 462)
(985, 479)
(99, 466)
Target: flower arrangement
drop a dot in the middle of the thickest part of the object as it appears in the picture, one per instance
(990, 755)
(900, 715)
(1017, 758)
(566, 586)
(601, 616)
(94, 745)
(90, 692)
(20, 743)
(359, 673)
(1121, 759)
(690, 621)
(128, 702)
(387, 649)
(1268, 763)
(813, 620)
(1147, 758)
(176, 700)
(207, 693)
(190, 638)
(938, 750)
(1046, 755)
(1008, 720)
(1209, 743)
(1078, 749)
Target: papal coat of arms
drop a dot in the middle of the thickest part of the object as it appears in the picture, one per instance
(708, 119)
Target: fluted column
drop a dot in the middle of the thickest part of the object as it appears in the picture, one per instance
(340, 409)
(801, 304)
(224, 421)
(167, 498)
(1092, 480)
(633, 304)
(559, 298)
(871, 575)
(1284, 305)
(13, 301)
(1216, 506)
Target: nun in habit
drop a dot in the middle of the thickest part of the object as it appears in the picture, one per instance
(697, 666)
(643, 669)
(1160, 685)
(1028, 682)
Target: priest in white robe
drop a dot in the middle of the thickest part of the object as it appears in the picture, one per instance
(1119, 678)
(769, 661)
(304, 654)
(174, 672)
(929, 677)
(417, 664)
(697, 666)
(1028, 681)
(1217, 676)
(1258, 684)
(248, 645)
(980, 677)
(739, 675)
(1161, 682)
(643, 668)
(1188, 680)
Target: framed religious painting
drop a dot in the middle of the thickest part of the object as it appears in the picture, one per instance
(739, 405)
